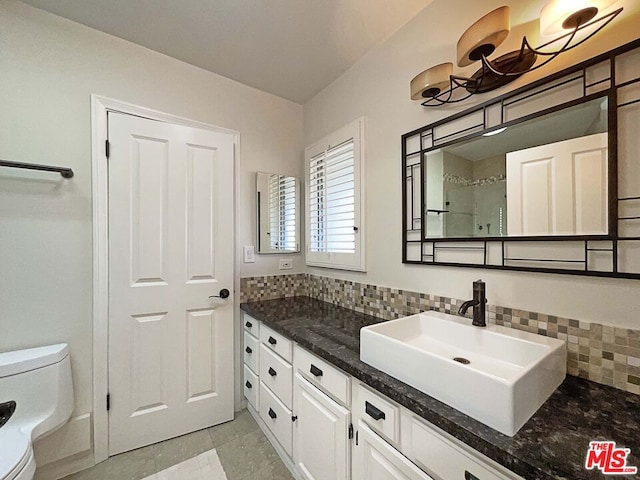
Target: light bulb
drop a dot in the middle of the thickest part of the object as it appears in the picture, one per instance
(559, 15)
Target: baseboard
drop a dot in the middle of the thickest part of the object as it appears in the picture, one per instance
(242, 404)
(65, 451)
(65, 466)
(288, 462)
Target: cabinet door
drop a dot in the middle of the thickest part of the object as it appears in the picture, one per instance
(321, 434)
(375, 459)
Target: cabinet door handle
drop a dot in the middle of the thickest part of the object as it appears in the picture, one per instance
(272, 341)
(248, 384)
(315, 371)
(469, 476)
(272, 372)
(248, 350)
(374, 412)
(248, 324)
(272, 414)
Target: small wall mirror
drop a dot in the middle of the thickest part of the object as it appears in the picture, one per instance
(547, 176)
(278, 213)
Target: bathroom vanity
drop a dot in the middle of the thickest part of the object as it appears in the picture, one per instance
(333, 416)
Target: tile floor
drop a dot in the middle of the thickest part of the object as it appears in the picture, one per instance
(244, 451)
(205, 466)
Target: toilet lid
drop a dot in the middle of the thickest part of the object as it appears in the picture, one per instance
(15, 449)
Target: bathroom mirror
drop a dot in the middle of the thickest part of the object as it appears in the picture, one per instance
(544, 204)
(546, 176)
(278, 213)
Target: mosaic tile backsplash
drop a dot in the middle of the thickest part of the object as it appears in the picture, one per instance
(254, 289)
(601, 353)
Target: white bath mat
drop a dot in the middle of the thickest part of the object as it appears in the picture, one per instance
(205, 466)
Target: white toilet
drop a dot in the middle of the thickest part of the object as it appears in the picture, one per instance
(39, 381)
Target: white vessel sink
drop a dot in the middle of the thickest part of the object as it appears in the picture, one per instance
(510, 373)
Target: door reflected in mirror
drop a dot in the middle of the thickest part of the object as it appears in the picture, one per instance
(278, 213)
(544, 177)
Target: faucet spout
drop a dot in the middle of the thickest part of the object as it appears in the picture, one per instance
(479, 304)
(462, 311)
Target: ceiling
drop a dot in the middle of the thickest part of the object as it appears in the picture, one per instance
(291, 48)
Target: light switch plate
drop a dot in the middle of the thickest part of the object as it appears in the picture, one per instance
(249, 254)
(286, 264)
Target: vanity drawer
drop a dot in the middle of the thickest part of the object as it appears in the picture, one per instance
(252, 326)
(251, 351)
(276, 342)
(251, 388)
(277, 417)
(442, 457)
(277, 375)
(382, 415)
(323, 375)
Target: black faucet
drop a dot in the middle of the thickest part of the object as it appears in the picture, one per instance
(479, 304)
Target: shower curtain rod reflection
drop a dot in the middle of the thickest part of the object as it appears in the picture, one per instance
(64, 171)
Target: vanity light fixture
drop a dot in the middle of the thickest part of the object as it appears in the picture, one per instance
(564, 18)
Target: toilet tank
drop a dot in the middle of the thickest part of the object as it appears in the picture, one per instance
(39, 381)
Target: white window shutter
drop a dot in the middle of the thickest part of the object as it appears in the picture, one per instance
(335, 194)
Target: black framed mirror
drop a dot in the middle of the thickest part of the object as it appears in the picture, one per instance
(277, 213)
(544, 178)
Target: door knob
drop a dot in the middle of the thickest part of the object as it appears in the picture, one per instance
(224, 293)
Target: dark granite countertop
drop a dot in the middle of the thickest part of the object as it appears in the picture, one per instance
(551, 445)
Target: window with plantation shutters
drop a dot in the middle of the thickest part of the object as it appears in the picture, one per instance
(334, 198)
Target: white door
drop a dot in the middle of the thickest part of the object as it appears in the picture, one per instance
(321, 434)
(375, 459)
(559, 189)
(170, 248)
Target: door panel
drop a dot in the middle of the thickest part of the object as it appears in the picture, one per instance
(375, 459)
(537, 197)
(321, 446)
(149, 209)
(201, 208)
(147, 364)
(201, 374)
(590, 179)
(170, 248)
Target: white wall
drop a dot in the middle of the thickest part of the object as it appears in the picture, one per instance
(49, 67)
(378, 87)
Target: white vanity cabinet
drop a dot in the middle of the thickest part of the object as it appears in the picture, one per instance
(441, 455)
(375, 459)
(327, 425)
(251, 357)
(377, 411)
(277, 417)
(276, 386)
(320, 434)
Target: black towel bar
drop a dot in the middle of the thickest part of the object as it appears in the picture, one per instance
(64, 171)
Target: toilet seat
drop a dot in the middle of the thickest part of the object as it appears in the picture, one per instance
(17, 461)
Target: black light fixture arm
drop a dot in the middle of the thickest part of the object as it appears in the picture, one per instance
(456, 82)
(527, 48)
